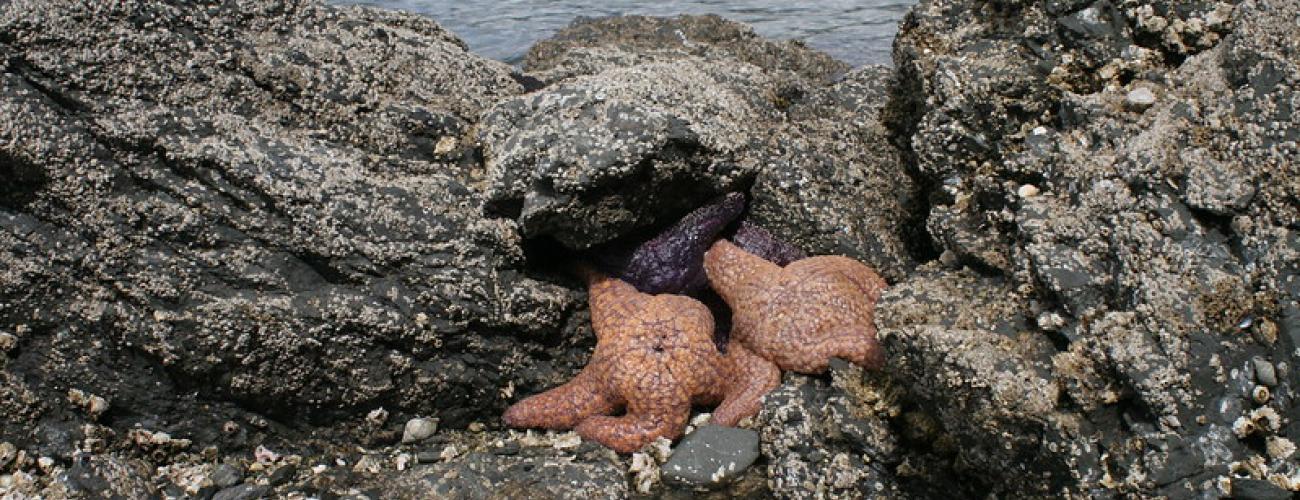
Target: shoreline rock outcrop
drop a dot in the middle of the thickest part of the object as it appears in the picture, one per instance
(241, 244)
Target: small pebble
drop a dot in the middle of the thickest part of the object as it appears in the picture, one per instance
(226, 475)
(445, 145)
(1279, 448)
(1027, 191)
(377, 416)
(418, 429)
(507, 449)
(1140, 98)
(7, 454)
(1264, 372)
(242, 492)
(282, 475)
(8, 341)
(427, 457)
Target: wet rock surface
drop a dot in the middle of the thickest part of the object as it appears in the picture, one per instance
(710, 457)
(268, 235)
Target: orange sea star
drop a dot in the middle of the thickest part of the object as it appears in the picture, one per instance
(654, 357)
(799, 316)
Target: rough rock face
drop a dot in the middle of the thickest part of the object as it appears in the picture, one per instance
(1125, 174)
(266, 203)
(591, 45)
(231, 232)
(637, 141)
(482, 476)
(587, 160)
(830, 440)
(832, 183)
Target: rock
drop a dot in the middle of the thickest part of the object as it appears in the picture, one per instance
(1257, 489)
(8, 341)
(978, 384)
(710, 457)
(589, 160)
(8, 452)
(640, 142)
(106, 476)
(1140, 98)
(282, 475)
(226, 475)
(248, 199)
(591, 45)
(1153, 235)
(242, 492)
(484, 475)
(828, 440)
(417, 429)
(832, 183)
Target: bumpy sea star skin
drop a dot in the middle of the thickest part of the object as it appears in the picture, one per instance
(754, 239)
(672, 262)
(655, 357)
(799, 316)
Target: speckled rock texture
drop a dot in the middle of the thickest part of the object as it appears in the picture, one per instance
(483, 476)
(267, 233)
(638, 142)
(1110, 264)
(832, 440)
(593, 45)
(267, 206)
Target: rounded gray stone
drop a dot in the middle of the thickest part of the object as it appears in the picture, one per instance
(711, 457)
(1140, 98)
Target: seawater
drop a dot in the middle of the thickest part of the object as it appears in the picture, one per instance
(856, 32)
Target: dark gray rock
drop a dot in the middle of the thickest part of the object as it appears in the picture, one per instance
(1148, 245)
(710, 457)
(549, 474)
(268, 204)
(639, 143)
(226, 475)
(282, 475)
(833, 440)
(591, 45)
(1257, 489)
(831, 181)
(105, 476)
(242, 492)
(588, 160)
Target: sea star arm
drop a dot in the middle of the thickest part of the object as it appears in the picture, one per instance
(857, 346)
(641, 424)
(564, 406)
(735, 274)
(611, 300)
(753, 377)
(754, 239)
(670, 262)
